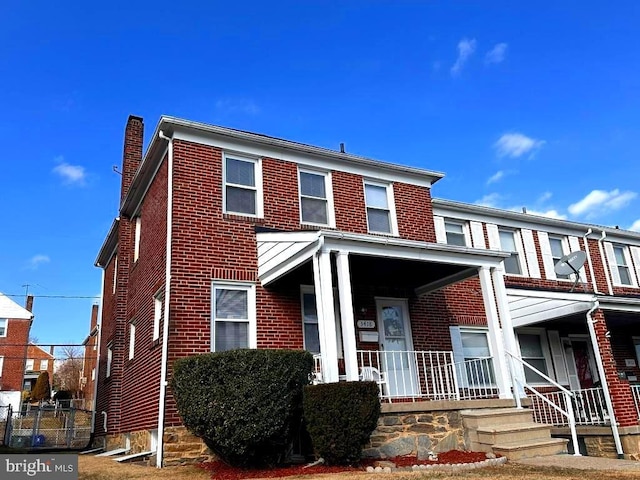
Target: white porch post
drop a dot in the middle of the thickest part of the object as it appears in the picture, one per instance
(495, 335)
(326, 315)
(346, 316)
(507, 326)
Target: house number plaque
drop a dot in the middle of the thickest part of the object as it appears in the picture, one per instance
(366, 324)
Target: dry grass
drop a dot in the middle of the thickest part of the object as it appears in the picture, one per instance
(100, 468)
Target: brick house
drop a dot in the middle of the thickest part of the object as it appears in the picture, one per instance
(89, 362)
(15, 323)
(228, 239)
(37, 361)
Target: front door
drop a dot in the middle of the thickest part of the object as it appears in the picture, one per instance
(580, 363)
(398, 358)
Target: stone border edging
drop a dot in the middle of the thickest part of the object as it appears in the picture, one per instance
(489, 462)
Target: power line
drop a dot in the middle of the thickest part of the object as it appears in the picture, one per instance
(52, 296)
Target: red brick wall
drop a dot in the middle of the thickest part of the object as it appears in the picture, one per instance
(13, 348)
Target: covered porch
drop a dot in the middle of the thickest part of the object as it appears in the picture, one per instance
(364, 299)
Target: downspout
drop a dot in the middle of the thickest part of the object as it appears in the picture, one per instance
(104, 421)
(605, 266)
(97, 366)
(167, 296)
(603, 379)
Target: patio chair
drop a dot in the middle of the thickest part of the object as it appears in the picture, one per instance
(374, 375)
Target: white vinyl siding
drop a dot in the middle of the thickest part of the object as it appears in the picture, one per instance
(233, 316)
(242, 186)
(531, 254)
(380, 208)
(316, 203)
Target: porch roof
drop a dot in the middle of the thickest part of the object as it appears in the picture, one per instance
(529, 307)
(281, 252)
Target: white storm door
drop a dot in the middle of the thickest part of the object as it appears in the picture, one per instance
(396, 346)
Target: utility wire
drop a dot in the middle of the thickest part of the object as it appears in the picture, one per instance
(51, 296)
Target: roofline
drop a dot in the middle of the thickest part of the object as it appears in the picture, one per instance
(109, 245)
(31, 344)
(528, 217)
(146, 170)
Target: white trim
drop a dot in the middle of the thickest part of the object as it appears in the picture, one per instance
(466, 234)
(477, 235)
(251, 321)
(635, 255)
(257, 188)
(530, 253)
(574, 246)
(614, 268)
(1, 364)
(636, 346)
(310, 289)
(346, 316)
(441, 234)
(158, 300)
(115, 274)
(391, 206)
(494, 236)
(6, 327)
(328, 191)
(136, 241)
(557, 354)
(132, 339)
(109, 360)
(547, 255)
(546, 352)
(517, 240)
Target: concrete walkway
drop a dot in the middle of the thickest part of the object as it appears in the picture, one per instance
(583, 463)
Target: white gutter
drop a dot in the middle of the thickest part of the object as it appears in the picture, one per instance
(98, 332)
(603, 379)
(590, 262)
(605, 265)
(167, 296)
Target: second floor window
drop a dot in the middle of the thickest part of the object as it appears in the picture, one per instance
(622, 265)
(558, 250)
(508, 244)
(455, 233)
(3, 327)
(29, 365)
(241, 182)
(44, 365)
(314, 199)
(379, 211)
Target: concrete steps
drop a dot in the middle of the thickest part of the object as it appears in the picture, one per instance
(509, 432)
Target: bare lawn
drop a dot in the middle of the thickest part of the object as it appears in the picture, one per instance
(100, 468)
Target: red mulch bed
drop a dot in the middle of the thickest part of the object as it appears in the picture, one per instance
(222, 471)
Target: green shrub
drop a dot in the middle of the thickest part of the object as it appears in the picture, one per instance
(245, 404)
(340, 418)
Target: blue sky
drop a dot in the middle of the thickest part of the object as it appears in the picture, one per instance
(535, 106)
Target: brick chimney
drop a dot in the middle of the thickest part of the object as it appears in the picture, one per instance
(132, 154)
(94, 316)
(29, 303)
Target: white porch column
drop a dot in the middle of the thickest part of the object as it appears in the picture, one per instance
(326, 315)
(495, 335)
(507, 326)
(346, 316)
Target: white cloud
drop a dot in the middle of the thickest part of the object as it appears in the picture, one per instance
(551, 213)
(490, 200)
(466, 48)
(241, 105)
(544, 197)
(69, 173)
(599, 202)
(496, 54)
(499, 175)
(636, 226)
(515, 145)
(38, 260)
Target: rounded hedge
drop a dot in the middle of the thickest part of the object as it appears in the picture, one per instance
(245, 404)
(340, 418)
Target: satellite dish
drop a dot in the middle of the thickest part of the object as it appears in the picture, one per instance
(571, 263)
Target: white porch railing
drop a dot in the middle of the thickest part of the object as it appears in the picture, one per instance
(427, 375)
(589, 408)
(635, 390)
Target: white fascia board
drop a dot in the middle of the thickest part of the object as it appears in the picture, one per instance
(287, 237)
(109, 246)
(557, 312)
(578, 297)
(508, 218)
(292, 262)
(304, 155)
(619, 304)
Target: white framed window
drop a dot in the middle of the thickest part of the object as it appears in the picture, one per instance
(316, 199)
(4, 324)
(109, 360)
(233, 318)
(132, 339)
(472, 355)
(534, 349)
(1, 365)
(622, 263)
(311, 333)
(559, 248)
(242, 185)
(136, 242)
(158, 304)
(509, 242)
(29, 365)
(457, 233)
(44, 365)
(380, 207)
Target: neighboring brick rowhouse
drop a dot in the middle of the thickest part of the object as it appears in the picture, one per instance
(13, 346)
(89, 360)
